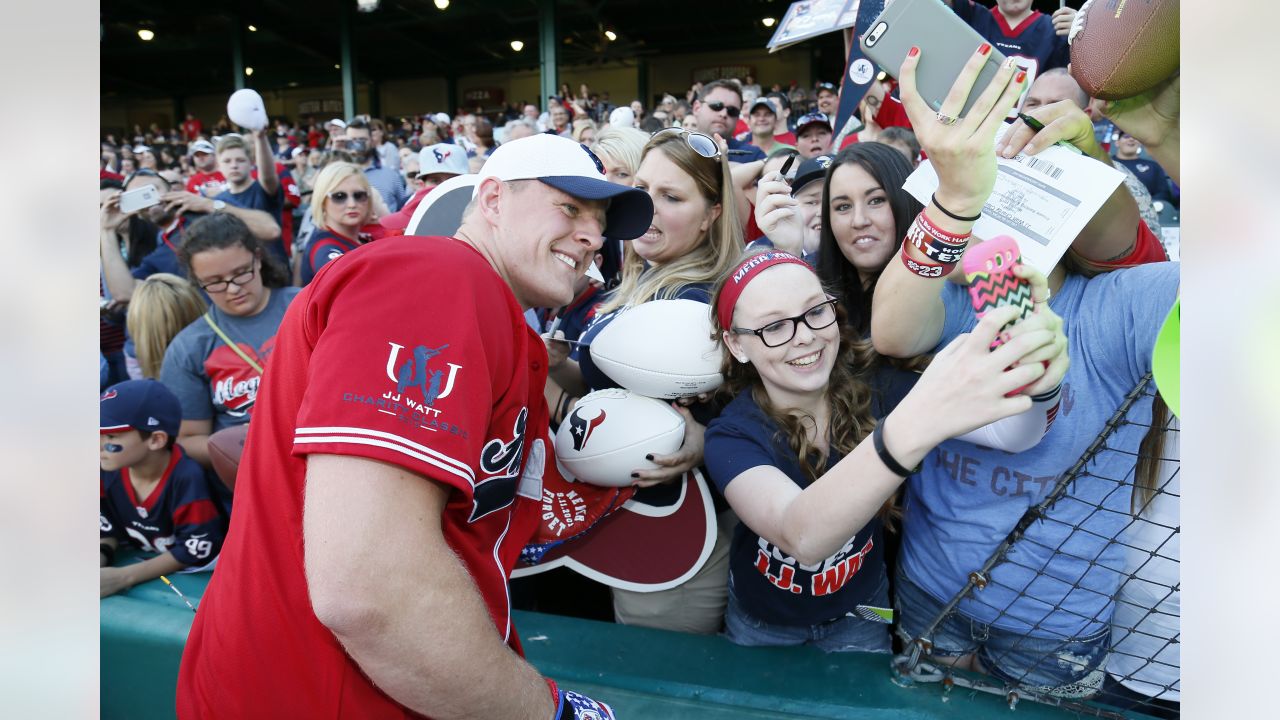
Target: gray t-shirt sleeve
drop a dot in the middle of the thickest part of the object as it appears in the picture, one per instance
(183, 373)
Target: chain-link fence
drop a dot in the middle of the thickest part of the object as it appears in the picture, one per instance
(1132, 663)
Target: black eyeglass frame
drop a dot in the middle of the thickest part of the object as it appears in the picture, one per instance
(239, 280)
(795, 324)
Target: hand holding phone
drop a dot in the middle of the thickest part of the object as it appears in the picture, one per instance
(139, 198)
(988, 267)
(992, 283)
(946, 43)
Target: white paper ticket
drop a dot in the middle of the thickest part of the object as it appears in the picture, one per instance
(1042, 201)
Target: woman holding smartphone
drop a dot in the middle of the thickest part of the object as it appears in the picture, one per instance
(796, 456)
(1042, 620)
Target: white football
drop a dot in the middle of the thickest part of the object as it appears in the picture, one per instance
(660, 349)
(610, 431)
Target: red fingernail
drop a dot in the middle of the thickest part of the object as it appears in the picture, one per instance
(1021, 76)
(914, 51)
(984, 48)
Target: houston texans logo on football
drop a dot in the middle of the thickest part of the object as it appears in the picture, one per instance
(582, 427)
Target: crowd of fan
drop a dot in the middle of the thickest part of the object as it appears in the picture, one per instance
(194, 286)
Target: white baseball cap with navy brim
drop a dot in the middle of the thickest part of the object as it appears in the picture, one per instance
(572, 168)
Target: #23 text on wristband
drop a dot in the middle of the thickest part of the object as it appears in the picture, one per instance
(924, 269)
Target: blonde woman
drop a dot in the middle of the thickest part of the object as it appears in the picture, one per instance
(694, 239)
(620, 148)
(161, 307)
(341, 205)
(584, 130)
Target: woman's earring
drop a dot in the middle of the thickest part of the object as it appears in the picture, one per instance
(741, 358)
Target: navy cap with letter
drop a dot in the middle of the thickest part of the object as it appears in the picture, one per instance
(815, 168)
(811, 120)
(572, 168)
(144, 405)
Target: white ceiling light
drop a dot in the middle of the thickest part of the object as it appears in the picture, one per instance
(768, 22)
(442, 4)
(248, 71)
(367, 6)
(253, 28)
(611, 35)
(517, 45)
(146, 35)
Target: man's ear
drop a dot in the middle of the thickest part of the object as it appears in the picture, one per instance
(488, 197)
(599, 259)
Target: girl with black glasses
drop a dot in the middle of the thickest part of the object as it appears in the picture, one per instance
(806, 467)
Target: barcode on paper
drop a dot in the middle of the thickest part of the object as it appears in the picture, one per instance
(1043, 166)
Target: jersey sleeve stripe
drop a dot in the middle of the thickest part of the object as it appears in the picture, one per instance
(197, 512)
(449, 468)
(458, 465)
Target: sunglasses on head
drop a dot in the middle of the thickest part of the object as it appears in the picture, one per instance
(704, 145)
(732, 111)
(341, 196)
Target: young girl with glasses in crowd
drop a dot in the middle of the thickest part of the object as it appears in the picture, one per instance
(806, 467)
(215, 364)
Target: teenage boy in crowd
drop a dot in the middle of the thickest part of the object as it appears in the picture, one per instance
(265, 192)
(153, 497)
(813, 133)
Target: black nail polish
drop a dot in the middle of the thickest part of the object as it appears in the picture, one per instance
(635, 475)
(649, 458)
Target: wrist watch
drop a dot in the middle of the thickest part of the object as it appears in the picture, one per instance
(219, 205)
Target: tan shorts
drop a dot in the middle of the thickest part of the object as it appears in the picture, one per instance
(696, 606)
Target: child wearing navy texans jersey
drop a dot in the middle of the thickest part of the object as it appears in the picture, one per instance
(153, 497)
(796, 455)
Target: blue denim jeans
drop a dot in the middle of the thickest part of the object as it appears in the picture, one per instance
(846, 634)
(1067, 668)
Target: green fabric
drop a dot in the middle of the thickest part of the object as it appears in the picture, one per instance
(1165, 360)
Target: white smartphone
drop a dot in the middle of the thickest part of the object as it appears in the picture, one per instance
(946, 43)
(139, 198)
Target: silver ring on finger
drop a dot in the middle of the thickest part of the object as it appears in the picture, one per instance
(947, 119)
(1045, 299)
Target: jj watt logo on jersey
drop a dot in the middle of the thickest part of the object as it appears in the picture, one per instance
(418, 372)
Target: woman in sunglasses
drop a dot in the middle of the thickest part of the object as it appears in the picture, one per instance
(796, 456)
(342, 204)
(215, 363)
(693, 240)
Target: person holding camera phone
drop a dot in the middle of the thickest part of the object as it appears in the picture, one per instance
(1042, 622)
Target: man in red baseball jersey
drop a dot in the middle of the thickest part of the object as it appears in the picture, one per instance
(394, 464)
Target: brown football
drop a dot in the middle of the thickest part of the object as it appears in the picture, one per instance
(1120, 48)
(225, 448)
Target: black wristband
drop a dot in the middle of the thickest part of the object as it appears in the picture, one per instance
(108, 552)
(895, 467)
(952, 215)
